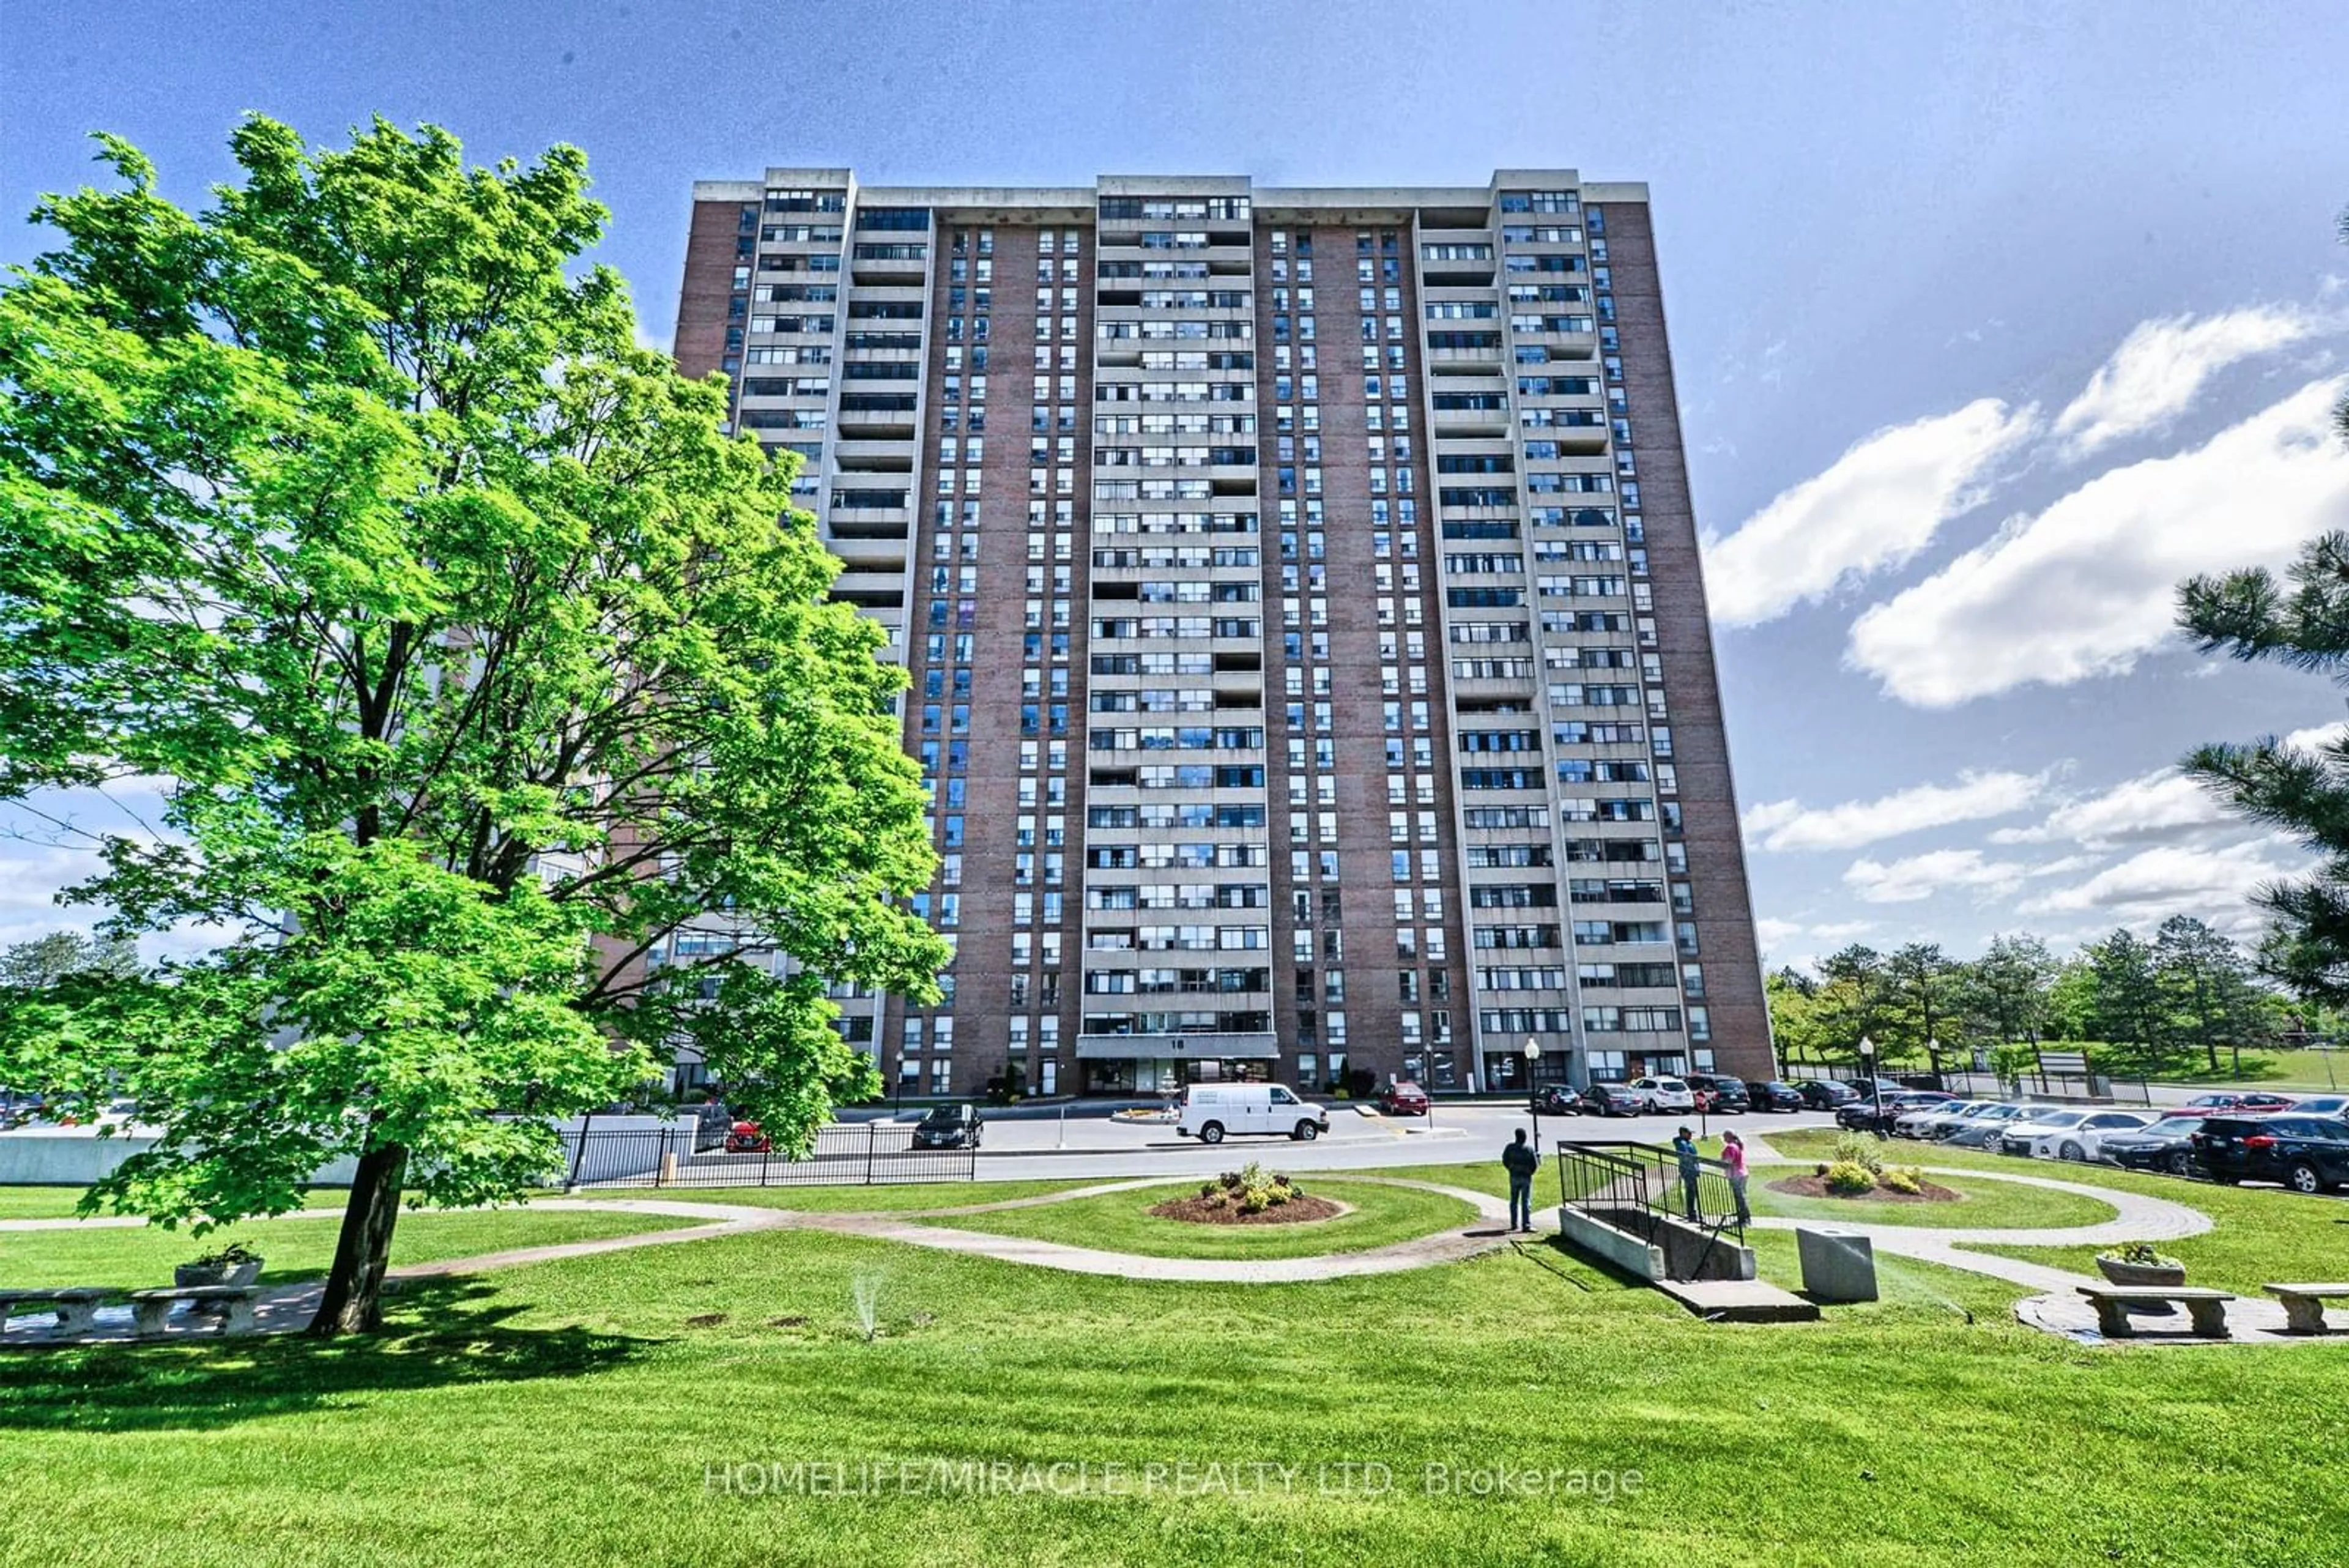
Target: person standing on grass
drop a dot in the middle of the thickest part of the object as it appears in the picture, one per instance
(1685, 1148)
(1521, 1160)
(1732, 1155)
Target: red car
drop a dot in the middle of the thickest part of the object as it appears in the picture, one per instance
(744, 1137)
(1403, 1100)
(2254, 1103)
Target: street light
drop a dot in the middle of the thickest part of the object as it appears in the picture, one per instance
(1875, 1083)
(1533, 1098)
(1933, 1056)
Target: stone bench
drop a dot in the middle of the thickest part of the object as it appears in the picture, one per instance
(149, 1309)
(2207, 1307)
(2303, 1305)
(75, 1307)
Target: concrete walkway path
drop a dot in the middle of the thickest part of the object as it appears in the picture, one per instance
(2136, 1217)
(288, 1308)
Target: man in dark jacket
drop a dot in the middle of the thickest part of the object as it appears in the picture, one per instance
(1521, 1160)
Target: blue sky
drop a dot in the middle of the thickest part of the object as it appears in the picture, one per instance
(1989, 322)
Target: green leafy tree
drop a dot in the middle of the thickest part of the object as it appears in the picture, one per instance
(2006, 992)
(2206, 981)
(1795, 1026)
(1921, 985)
(2128, 1009)
(2072, 1001)
(1854, 1000)
(44, 962)
(475, 660)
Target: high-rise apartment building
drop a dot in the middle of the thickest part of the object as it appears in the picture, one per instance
(1308, 650)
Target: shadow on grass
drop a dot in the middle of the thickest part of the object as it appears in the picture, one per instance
(442, 1332)
(1587, 1270)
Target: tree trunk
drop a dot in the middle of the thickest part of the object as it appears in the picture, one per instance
(353, 1303)
(2212, 1047)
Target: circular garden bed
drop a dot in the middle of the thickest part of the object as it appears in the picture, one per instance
(1817, 1187)
(1298, 1210)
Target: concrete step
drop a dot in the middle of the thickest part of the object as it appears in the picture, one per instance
(1739, 1301)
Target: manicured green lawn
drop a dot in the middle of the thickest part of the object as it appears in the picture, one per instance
(584, 1412)
(295, 1248)
(57, 1202)
(1986, 1204)
(855, 1197)
(1121, 1222)
(2259, 1234)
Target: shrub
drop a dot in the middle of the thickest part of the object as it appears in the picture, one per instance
(1820, 1168)
(1255, 1202)
(1208, 1189)
(1861, 1150)
(1233, 1182)
(235, 1255)
(1849, 1178)
(1275, 1197)
(1905, 1179)
(2143, 1255)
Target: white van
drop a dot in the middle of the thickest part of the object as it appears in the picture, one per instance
(1211, 1111)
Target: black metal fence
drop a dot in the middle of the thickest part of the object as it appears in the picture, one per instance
(845, 1153)
(1634, 1186)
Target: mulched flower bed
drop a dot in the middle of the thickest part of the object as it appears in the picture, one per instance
(1199, 1211)
(1817, 1187)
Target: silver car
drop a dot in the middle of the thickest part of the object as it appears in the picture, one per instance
(1980, 1130)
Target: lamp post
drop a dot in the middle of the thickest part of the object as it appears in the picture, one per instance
(1868, 1066)
(1933, 1054)
(1533, 1099)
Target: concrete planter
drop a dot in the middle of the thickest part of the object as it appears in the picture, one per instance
(189, 1275)
(2141, 1275)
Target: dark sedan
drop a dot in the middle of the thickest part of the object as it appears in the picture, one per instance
(1826, 1094)
(1876, 1115)
(1776, 1094)
(2307, 1154)
(2168, 1145)
(1718, 1095)
(1555, 1100)
(949, 1127)
(1613, 1100)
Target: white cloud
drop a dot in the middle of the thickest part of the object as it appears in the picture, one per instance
(2163, 803)
(2215, 885)
(1770, 933)
(1919, 877)
(1879, 504)
(2087, 586)
(2157, 370)
(1787, 824)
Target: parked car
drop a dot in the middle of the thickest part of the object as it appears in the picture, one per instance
(2070, 1134)
(1775, 1095)
(2307, 1154)
(2233, 1103)
(1980, 1130)
(1555, 1100)
(1925, 1120)
(1403, 1100)
(2321, 1106)
(747, 1137)
(1877, 1115)
(949, 1127)
(1868, 1088)
(1719, 1095)
(1211, 1111)
(1665, 1093)
(1602, 1099)
(1826, 1094)
(2168, 1145)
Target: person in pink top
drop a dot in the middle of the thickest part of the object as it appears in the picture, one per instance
(1732, 1155)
